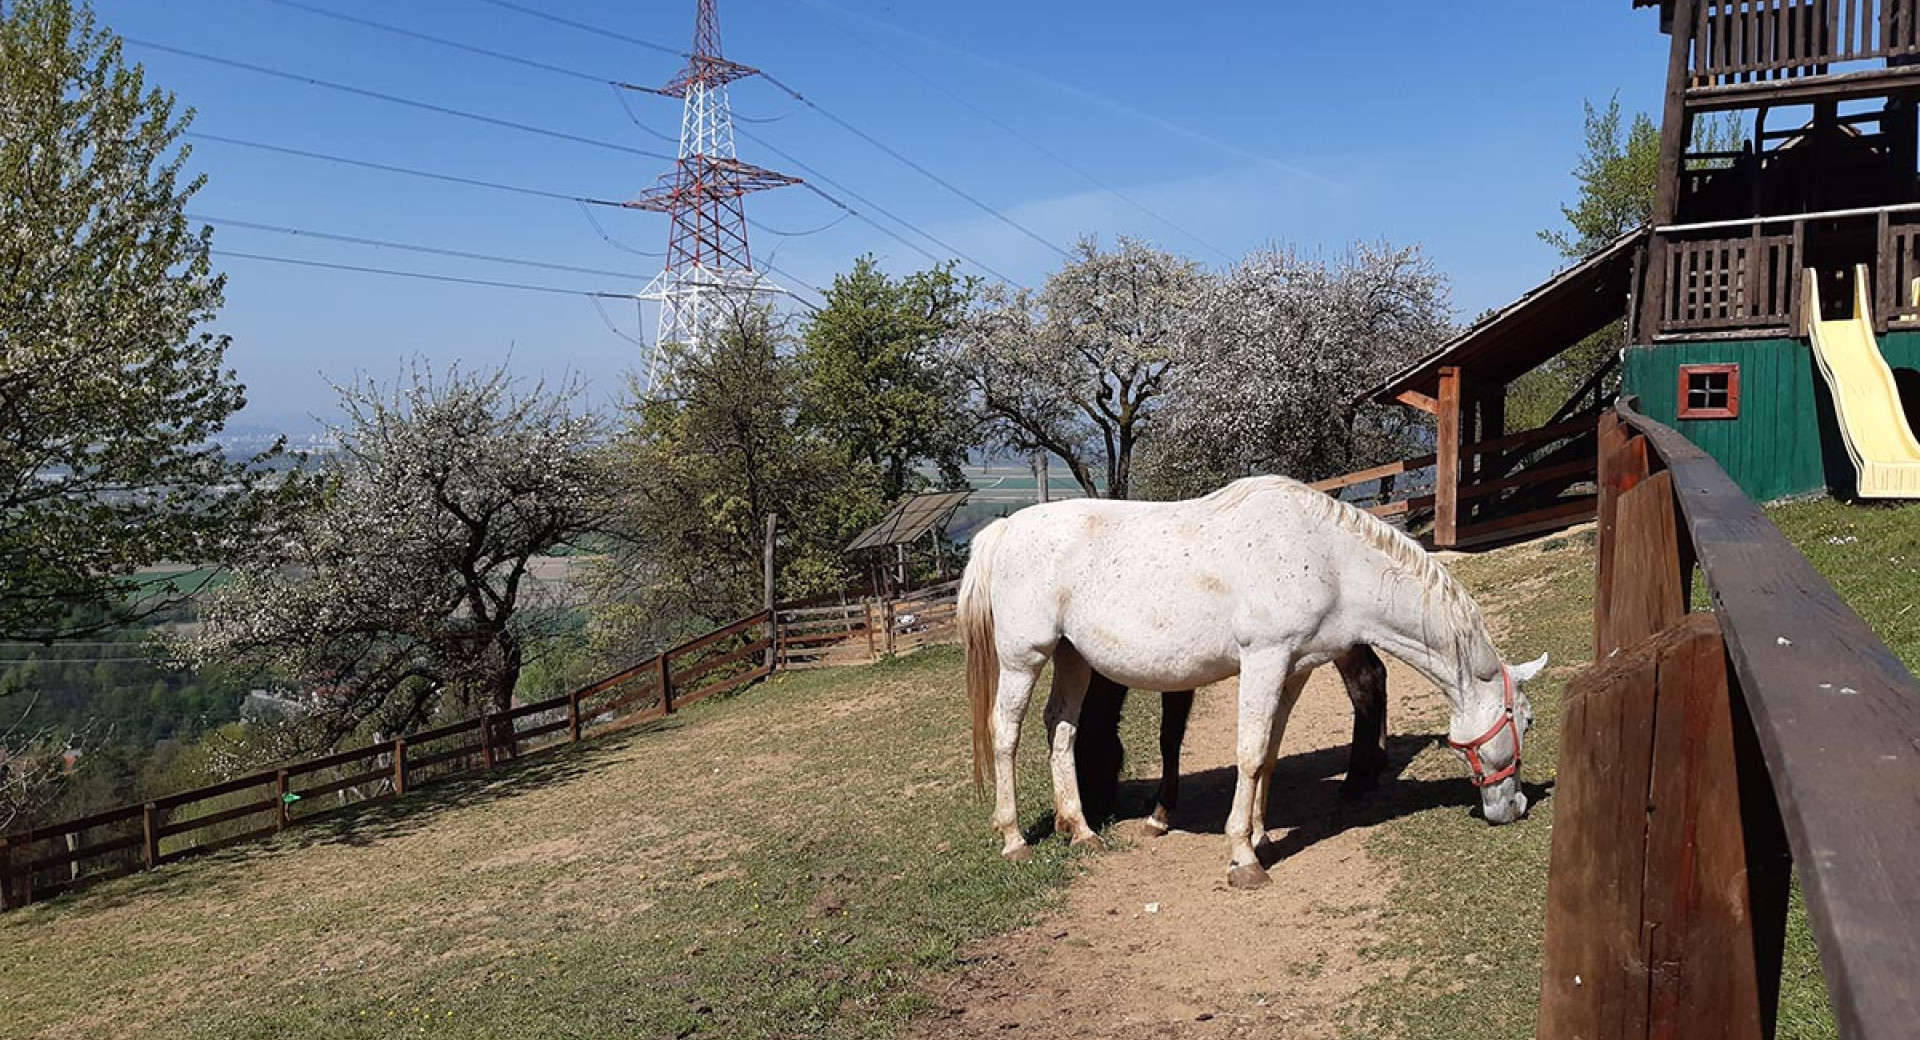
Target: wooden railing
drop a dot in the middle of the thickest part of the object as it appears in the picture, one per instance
(42, 861)
(861, 632)
(1491, 473)
(1744, 41)
(1706, 756)
(1729, 280)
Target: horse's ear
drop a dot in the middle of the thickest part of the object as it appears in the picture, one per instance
(1524, 672)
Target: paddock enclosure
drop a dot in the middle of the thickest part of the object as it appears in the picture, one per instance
(43, 861)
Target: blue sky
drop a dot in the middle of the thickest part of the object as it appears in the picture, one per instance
(1243, 123)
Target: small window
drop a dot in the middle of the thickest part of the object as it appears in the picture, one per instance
(1709, 391)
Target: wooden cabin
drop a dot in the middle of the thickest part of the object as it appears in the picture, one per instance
(1821, 203)
(1772, 307)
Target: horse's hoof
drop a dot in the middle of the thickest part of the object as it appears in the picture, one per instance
(1018, 854)
(1154, 828)
(1248, 877)
(1088, 840)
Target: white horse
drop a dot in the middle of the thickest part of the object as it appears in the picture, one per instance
(1265, 578)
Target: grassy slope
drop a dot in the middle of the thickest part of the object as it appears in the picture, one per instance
(606, 891)
(792, 861)
(1470, 890)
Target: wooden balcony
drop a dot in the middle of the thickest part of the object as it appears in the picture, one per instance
(1744, 51)
(1747, 279)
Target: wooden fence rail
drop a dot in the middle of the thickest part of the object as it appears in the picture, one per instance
(43, 861)
(1704, 755)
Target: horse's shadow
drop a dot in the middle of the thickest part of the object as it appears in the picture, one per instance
(1305, 798)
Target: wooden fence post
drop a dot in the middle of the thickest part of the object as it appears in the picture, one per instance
(1649, 931)
(573, 717)
(1647, 593)
(886, 619)
(486, 740)
(150, 835)
(866, 613)
(280, 800)
(664, 676)
(766, 589)
(399, 766)
(7, 901)
(1447, 471)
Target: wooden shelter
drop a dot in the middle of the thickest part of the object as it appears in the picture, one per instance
(910, 520)
(1824, 192)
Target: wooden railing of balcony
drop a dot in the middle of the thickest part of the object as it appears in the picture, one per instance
(1746, 41)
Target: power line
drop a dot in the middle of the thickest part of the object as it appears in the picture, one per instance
(961, 100)
(922, 170)
(420, 275)
(410, 247)
(442, 41)
(584, 27)
(389, 168)
(395, 99)
(870, 204)
(835, 222)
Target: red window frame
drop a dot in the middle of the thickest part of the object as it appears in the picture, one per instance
(1731, 411)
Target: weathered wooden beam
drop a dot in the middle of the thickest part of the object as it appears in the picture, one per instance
(1649, 928)
(1419, 401)
(1446, 477)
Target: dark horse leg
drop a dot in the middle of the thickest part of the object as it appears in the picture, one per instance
(1098, 754)
(1175, 707)
(1366, 679)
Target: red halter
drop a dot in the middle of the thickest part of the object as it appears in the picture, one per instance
(1472, 747)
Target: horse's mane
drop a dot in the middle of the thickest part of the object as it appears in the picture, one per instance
(1405, 554)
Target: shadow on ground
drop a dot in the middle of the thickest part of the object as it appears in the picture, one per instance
(1305, 798)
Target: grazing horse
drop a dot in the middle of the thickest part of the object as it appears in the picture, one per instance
(1265, 578)
(1098, 753)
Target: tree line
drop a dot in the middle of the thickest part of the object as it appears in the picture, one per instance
(397, 580)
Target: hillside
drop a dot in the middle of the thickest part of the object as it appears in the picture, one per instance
(808, 859)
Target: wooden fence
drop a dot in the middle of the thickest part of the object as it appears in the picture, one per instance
(1706, 756)
(863, 632)
(1744, 41)
(1485, 491)
(42, 861)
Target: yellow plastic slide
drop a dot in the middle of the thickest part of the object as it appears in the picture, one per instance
(1865, 399)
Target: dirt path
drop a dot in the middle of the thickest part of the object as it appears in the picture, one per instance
(1152, 943)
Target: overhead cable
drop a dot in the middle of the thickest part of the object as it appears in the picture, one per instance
(410, 247)
(424, 106)
(420, 275)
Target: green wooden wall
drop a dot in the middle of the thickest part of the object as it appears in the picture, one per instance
(1785, 441)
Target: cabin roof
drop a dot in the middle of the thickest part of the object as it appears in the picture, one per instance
(910, 519)
(1519, 337)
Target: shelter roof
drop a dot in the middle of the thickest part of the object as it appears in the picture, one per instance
(1519, 337)
(909, 520)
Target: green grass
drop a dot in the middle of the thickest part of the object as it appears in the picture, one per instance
(1463, 890)
(794, 861)
(1461, 943)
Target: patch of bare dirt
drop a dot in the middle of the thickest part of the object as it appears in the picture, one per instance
(1152, 943)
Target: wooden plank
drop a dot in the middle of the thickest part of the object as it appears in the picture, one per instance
(66, 856)
(1564, 513)
(172, 801)
(724, 685)
(718, 634)
(1418, 401)
(1648, 594)
(1838, 720)
(1576, 468)
(1446, 477)
(313, 765)
(1582, 423)
(369, 776)
(1694, 910)
(1390, 469)
(225, 815)
(419, 762)
(686, 678)
(60, 830)
(1593, 980)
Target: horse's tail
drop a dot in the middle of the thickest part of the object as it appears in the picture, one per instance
(975, 609)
